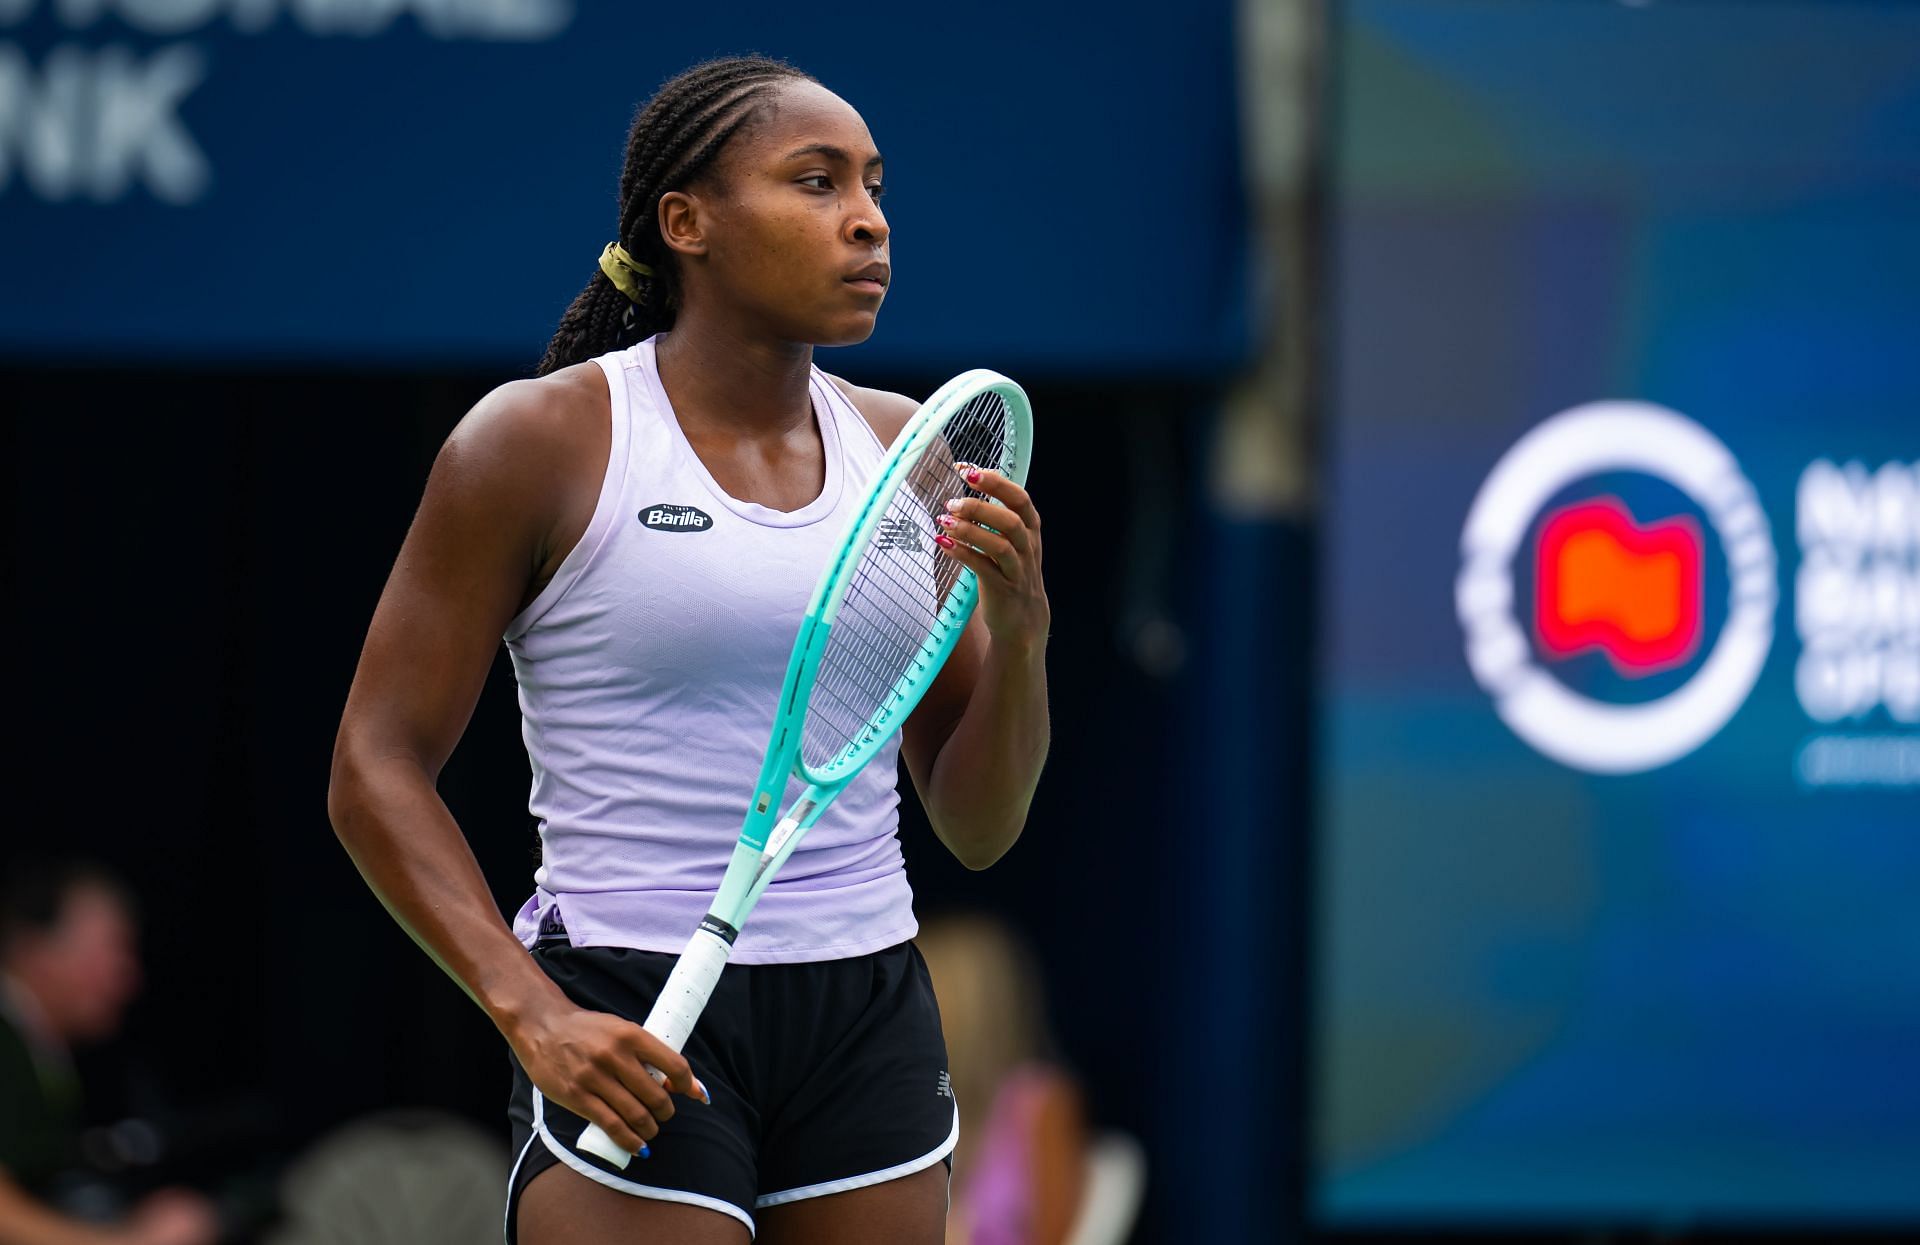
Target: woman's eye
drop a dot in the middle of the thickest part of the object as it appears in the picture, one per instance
(878, 190)
(826, 182)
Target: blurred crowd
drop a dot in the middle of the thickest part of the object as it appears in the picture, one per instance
(69, 966)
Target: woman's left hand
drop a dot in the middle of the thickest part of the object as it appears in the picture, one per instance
(998, 538)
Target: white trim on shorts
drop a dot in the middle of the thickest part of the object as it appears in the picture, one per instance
(846, 1183)
(506, 1216)
(612, 1181)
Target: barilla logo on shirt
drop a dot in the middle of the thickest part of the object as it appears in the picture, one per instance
(668, 518)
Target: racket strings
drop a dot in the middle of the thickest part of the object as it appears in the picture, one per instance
(896, 599)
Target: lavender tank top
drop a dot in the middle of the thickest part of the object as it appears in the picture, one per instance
(648, 672)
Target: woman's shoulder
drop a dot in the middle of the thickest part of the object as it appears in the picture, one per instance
(885, 412)
(536, 445)
(568, 407)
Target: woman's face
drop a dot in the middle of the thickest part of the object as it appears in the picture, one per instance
(790, 228)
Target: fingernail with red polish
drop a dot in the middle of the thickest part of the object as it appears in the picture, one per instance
(945, 520)
(943, 540)
(973, 475)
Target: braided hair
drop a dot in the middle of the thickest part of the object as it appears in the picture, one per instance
(676, 137)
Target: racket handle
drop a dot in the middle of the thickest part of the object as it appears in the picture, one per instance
(674, 1014)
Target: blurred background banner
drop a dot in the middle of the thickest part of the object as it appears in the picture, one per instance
(1619, 763)
(430, 181)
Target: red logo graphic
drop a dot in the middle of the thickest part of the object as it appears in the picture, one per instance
(1632, 592)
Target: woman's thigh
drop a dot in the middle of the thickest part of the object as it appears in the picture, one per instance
(562, 1207)
(909, 1211)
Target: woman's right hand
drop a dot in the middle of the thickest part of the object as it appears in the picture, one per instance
(595, 1065)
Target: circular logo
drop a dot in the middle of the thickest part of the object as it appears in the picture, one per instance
(1606, 582)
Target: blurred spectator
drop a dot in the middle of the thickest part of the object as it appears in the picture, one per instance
(1026, 1171)
(68, 969)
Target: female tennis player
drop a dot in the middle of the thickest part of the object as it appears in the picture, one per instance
(644, 523)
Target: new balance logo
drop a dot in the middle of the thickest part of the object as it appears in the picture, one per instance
(669, 518)
(899, 534)
(944, 1087)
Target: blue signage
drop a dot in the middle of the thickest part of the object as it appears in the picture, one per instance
(1619, 766)
(430, 181)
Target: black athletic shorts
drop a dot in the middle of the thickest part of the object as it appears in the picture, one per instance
(825, 1077)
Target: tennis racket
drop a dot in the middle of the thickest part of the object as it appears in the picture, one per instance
(883, 619)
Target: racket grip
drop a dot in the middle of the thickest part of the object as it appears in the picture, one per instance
(674, 1014)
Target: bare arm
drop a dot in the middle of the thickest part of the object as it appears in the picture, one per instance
(494, 512)
(458, 581)
(976, 744)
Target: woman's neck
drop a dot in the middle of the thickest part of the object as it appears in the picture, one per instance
(718, 377)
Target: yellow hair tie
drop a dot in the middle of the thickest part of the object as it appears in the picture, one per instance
(624, 270)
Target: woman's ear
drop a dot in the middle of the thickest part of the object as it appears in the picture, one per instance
(681, 224)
